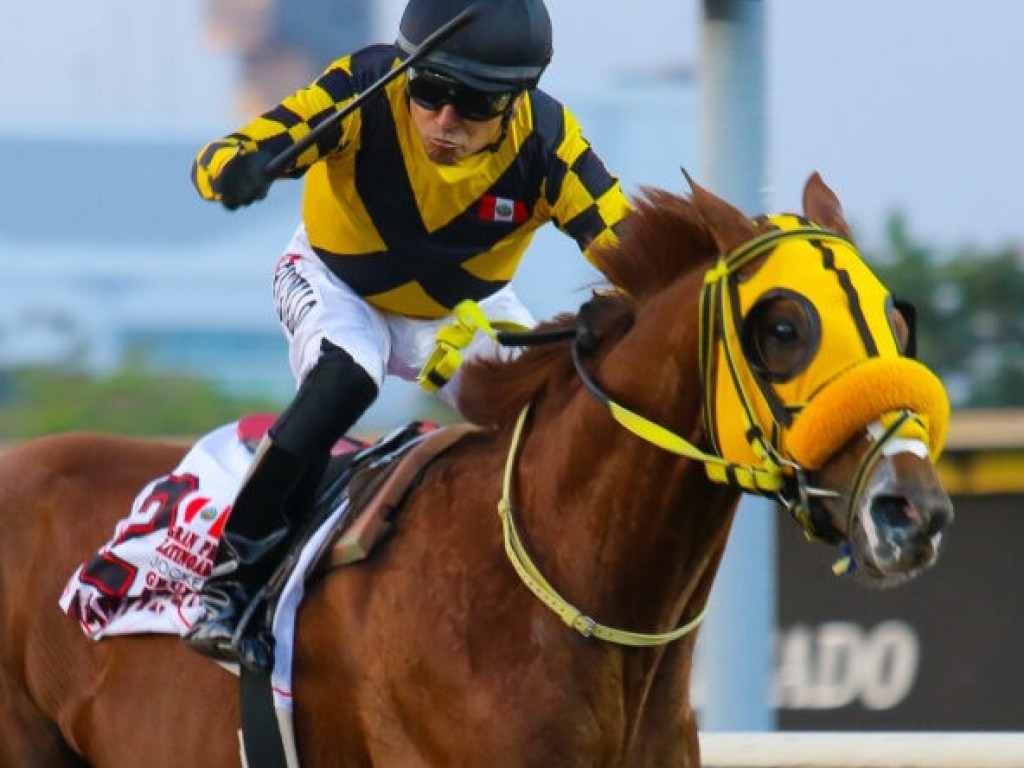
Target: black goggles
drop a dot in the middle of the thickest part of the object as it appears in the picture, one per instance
(432, 91)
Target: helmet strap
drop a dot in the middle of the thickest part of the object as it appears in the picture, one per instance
(506, 120)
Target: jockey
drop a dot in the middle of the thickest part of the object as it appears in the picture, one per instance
(425, 196)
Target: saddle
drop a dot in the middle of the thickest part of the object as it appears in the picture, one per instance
(371, 481)
(375, 484)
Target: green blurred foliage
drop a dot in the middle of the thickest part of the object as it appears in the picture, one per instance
(133, 401)
(970, 325)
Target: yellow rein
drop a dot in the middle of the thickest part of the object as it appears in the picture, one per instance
(535, 581)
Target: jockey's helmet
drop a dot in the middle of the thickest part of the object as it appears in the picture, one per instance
(506, 47)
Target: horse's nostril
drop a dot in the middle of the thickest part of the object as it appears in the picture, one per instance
(891, 511)
(940, 518)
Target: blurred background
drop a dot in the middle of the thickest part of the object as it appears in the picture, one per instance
(114, 269)
(129, 305)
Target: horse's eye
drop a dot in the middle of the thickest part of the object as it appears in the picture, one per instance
(784, 332)
(780, 335)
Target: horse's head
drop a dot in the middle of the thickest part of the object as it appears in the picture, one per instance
(809, 394)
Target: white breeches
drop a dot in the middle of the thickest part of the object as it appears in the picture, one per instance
(313, 304)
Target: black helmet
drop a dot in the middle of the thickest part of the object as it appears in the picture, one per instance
(506, 47)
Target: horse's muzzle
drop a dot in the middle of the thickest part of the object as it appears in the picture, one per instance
(901, 529)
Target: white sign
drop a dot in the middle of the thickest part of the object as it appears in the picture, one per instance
(838, 663)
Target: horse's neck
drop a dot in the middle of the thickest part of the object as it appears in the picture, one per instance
(634, 532)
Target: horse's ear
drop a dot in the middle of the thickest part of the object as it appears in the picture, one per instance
(823, 207)
(729, 227)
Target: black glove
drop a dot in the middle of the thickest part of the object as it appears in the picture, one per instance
(244, 179)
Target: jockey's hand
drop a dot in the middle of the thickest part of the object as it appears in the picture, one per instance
(244, 179)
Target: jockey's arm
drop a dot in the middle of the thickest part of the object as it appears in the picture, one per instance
(586, 201)
(279, 128)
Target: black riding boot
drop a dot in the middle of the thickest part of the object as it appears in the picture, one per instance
(258, 535)
(253, 542)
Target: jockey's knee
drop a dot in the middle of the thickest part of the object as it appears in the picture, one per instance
(333, 395)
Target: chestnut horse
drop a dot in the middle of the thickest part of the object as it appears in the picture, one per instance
(734, 354)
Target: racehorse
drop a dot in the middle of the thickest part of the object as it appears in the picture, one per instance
(733, 354)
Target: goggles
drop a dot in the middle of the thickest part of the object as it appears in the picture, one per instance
(432, 91)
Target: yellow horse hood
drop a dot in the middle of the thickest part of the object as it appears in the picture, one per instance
(854, 371)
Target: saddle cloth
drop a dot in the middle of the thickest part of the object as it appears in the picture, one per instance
(147, 578)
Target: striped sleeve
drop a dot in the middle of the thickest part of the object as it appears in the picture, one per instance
(587, 202)
(283, 125)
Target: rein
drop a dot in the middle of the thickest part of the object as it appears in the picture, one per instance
(531, 576)
(718, 469)
(469, 319)
(777, 477)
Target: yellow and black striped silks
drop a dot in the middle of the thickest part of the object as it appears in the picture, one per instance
(412, 236)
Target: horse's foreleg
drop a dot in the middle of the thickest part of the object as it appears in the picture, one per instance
(27, 739)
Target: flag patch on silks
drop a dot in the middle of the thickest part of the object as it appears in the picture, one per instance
(504, 209)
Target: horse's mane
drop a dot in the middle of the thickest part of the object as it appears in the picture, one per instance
(662, 239)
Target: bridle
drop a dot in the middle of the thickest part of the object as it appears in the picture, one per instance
(778, 478)
(775, 476)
